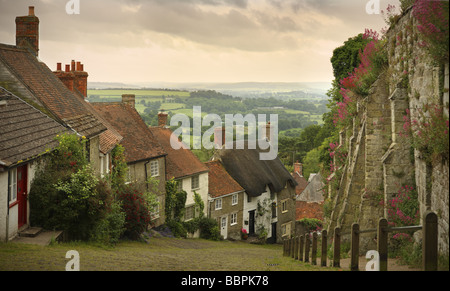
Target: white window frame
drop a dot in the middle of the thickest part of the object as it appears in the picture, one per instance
(186, 218)
(284, 208)
(218, 204)
(233, 218)
(234, 199)
(197, 179)
(12, 184)
(154, 168)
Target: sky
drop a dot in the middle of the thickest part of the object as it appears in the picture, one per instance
(135, 41)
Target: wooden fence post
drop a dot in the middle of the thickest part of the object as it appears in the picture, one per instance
(314, 249)
(382, 235)
(307, 245)
(323, 257)
(295, 248)
(430, 241)
(301, 248)
(292, 247)
(337, 247)
(354, 261)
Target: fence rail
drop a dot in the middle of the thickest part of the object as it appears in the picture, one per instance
(299, 247)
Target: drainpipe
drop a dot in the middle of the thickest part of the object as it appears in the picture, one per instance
(146, 174)
(7, 208)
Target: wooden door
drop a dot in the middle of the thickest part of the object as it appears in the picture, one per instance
(22, 192)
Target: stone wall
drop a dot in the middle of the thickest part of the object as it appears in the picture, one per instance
(379, 160)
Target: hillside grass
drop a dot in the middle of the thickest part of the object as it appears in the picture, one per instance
(159, 254)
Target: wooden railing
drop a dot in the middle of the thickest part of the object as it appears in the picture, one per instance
(299, 248)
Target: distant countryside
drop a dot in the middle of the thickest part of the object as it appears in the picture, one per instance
(296, 111)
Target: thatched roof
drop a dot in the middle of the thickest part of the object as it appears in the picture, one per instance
(253, 174)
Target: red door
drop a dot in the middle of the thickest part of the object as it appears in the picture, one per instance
(22, 194)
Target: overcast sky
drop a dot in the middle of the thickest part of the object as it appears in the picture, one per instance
(195, 40)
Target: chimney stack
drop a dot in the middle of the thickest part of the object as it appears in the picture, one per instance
(129, 99)
(27, 31)
(162, 118)
(80, 78)
(267, 131)
(298, 168)
(219, 136)
(74, 77)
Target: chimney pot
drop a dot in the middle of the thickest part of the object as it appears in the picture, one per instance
(30, 10)
(67, 68)
(73, 65)
(58, 66)
(78, 68)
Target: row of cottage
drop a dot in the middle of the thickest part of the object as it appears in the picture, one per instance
(240, 190)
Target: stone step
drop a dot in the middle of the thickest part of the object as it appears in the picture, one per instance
(30, 232)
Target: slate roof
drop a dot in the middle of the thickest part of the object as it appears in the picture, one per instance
(314, 190)
(35, 83)
(138, 140)
(253, 174)
(179, 163)
(25, 132)
(220, 182)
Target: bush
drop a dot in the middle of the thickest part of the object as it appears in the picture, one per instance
(65, 194)
(137, 210)
(209, 229)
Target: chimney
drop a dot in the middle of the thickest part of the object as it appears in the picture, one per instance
(129, 99)
(219, 136)
(27, 31)
(80, 81)
(162, 118)
(298, 168)
(67, 77)
(267, 131)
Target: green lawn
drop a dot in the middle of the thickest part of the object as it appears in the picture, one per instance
(159, 254)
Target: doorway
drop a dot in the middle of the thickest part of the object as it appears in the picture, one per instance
(22, 192)
(251, 222)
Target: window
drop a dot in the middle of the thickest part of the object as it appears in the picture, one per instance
(154, 213)
(154, 168)
(189, 213)
(195, 182)
(218, 203)
(286, 229)
(13, 185)
(274, 209)
(179, 185)
(233, 219)
(284, 208)
(234, 199)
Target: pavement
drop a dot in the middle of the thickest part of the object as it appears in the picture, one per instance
(43, 238)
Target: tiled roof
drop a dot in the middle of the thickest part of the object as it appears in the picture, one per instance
(220, 182)
(305, 209)
(179, 163)
(23, 70)
(301, 183)
(138, 141)
(25, 132)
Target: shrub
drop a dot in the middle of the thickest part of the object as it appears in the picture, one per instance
(137, 210)
(65, 194)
